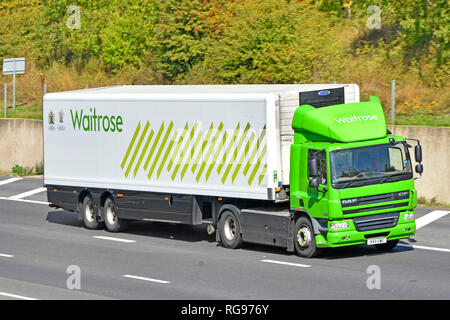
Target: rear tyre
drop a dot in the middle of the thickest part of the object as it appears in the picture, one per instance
(305, 239)
(387, 246)
(88, 214)
(230, 230)
(112, 222)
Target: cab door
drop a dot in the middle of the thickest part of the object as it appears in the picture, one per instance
(317, 201)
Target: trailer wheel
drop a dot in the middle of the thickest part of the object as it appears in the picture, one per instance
(230, 230)
(88, 215)
(305, 240)
(112, 222)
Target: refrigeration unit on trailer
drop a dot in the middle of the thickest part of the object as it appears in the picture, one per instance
(227, 154)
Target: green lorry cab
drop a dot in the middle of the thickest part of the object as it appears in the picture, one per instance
(351, 177)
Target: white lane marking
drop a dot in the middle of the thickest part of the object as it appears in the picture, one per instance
(28, 193)
(6, 255)
(114, 239)
(9, 181)
(287, 263)
(15, 296)
(145, 279)
(23, 200)
(430, 217)
(423, 247)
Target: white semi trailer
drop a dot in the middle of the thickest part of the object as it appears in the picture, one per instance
(179, 154)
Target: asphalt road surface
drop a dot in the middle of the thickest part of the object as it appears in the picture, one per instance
(47, 254)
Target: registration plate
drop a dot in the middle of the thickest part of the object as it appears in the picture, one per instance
(377, 241)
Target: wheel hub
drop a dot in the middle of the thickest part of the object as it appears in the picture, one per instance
(111, 215)
(230, 228)
(304, 237)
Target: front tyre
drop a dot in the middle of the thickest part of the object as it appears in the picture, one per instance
(230, 230)
(304, 239)
(112, 222)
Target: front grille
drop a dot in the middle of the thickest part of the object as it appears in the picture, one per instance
(385, 197)
(376, 221)
(389, 206)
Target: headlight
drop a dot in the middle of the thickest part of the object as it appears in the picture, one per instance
(408, 216)
(338, 226)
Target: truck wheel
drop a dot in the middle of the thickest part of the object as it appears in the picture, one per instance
(387, 246)
(305, 240)
(230, 230)
(88, 215)
(112, 222)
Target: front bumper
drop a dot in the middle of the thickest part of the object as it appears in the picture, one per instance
(350, 236)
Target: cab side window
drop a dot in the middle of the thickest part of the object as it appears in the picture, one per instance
(321, 155)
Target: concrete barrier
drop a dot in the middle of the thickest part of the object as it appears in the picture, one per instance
(21, 142)
(435, 142)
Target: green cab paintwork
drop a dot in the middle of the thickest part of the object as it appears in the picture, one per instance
(333, 128)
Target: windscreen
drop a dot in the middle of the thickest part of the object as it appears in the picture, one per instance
(370, 165)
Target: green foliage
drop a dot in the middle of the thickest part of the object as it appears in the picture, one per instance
(179, 36)
(118, 31)
(39, 168)
(21, 171)
(18, 170)
(233, 41)
(274, 42)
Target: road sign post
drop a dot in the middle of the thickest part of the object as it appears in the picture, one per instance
(13, 67)
(5, 91)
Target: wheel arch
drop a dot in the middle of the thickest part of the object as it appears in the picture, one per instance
(317, 227)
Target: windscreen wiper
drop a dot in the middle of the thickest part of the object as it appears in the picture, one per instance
(388, 179)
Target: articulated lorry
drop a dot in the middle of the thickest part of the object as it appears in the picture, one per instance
(303, 167)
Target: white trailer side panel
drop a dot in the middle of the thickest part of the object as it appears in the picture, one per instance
(216, 145)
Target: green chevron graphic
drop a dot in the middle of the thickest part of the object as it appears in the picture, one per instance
(257, 165)
(241, 159)
(166, 154)
(204, 143)
(130, 146)
(210, 149)
(155, 143)
(133, 157)
(147, 143)
(191, 155)
(230, 145)
(177, 149)
(253, 154)
(183, 152)
(161, 148)
(236, 150)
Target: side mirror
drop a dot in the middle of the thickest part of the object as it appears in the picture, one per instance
(419, 168)
(418, 153)
(313, 167)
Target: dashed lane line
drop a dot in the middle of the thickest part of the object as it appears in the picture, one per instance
(423, 247)
(28, 193)
(15, 296)
(145, 279)
(430, 217)
(114, 239)
(28, 201)
(3, 182)
(287, 263)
